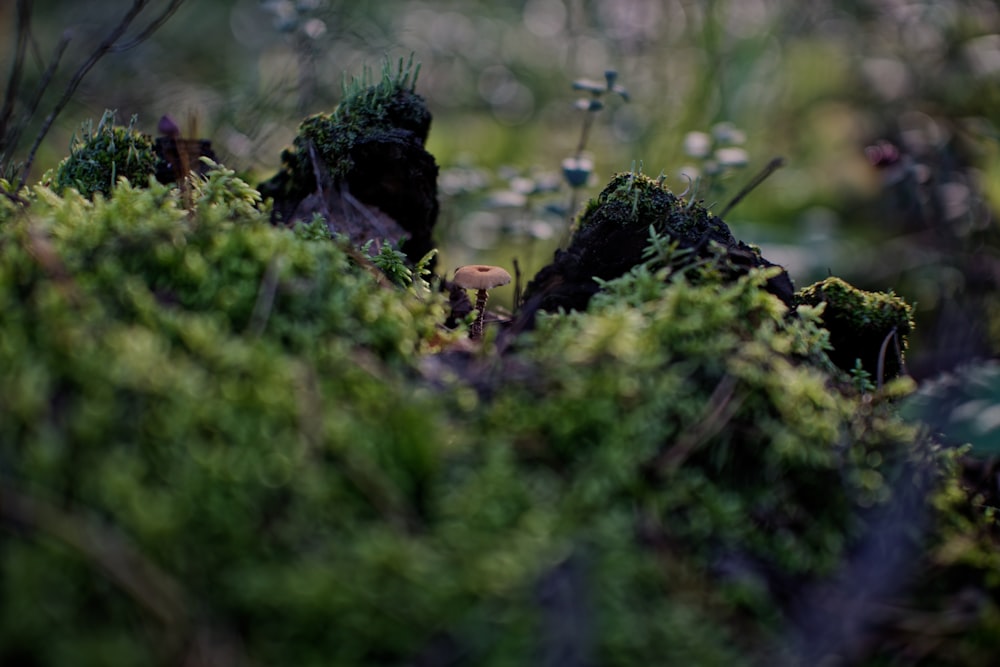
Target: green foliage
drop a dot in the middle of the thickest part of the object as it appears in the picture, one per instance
(861, 379)
(224, 434)
(699, 382)
(100, 157)
(8, 206)
(392, 262)
(229, 397)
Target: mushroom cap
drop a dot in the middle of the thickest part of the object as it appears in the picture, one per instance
(481, 276)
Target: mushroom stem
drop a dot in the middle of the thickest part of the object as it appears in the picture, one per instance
(477, 327)
(480, 277)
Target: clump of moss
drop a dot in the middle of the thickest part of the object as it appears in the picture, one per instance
(612, 236)
(862, 325)
(633, 198)
(102, 155)
(370, 149)
(325, 140)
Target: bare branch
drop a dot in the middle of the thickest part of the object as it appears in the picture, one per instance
(17, 68)
(153, 26)
(892, 335)
(772, 166)
(108, 44)
(43, 85)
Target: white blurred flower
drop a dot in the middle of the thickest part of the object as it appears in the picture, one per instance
(731, 157)
(697, 144)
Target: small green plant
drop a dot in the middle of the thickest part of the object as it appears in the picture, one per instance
(861, 379)
(100, 156)
(393, 263)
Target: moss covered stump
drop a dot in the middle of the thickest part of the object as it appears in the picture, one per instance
(363, 167)
(870, 327)
(613, 233)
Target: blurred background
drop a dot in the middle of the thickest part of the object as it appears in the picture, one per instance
(885, 111)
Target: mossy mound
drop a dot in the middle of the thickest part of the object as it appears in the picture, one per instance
(612, 236)
(868, 326)
(369, 149)
(225, 442)
(100, 156)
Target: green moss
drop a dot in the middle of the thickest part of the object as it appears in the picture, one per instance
(863, 310)
(100, 157)
(8, 207)
(232, 433)
(632, 198)
(368, 107)
(637, 379)
(860, 323)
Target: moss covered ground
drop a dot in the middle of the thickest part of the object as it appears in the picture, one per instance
(229, 443)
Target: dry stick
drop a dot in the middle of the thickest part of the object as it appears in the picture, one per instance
(353, 252)
(45, 254)
(881, 355)
(899, 355)
(153, 26)
(17, 68)
(43, 85)
(721, 407)
(768, 169)
(153, 589)
(20, 201)
(106, 45)
(517, 284)
(320, 190)
(346, 195)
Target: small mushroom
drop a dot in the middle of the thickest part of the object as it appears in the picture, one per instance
(480, 277)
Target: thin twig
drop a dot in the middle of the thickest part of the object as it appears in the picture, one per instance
(721, 407)
(320, 189)
(772, 166)
(16, 70)
(517, 284)
(107, 45)
(42, 250)
(345, 193)
(881, 356)
(153, 26)
(43, 85)
(14, 197)
(345, 197)
(899, 356)
(153, 589)
(265, 298)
